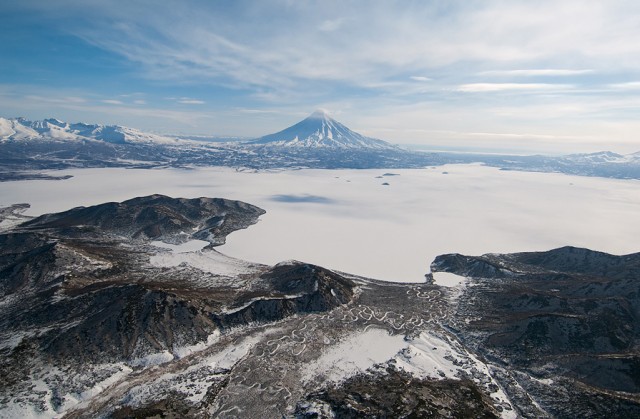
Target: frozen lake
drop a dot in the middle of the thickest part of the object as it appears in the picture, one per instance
(350, 221)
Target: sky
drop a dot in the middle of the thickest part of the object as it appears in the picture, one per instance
(521, 76)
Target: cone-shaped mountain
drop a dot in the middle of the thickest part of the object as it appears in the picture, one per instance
(320, 130)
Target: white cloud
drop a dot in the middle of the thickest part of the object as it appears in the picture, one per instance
(112, 102)
(331, 25)
(256, 111)
(536, 72)
(632, 85)
(420, 78)
(55, 100)
(52, 102)
(499, 87)
(275, 45)
(189, 101)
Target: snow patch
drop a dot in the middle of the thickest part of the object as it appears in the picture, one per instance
(82, 399)
(447, 279)
(152, 360)
(205, 260)
(354, 355)
(431, 356)
(190, 246)
(183, 351)
(253, 300)
(428, 356)
(194, 382)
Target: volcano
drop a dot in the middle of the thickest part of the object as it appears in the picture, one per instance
(319, 130)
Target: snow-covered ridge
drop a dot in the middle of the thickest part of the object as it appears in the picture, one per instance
(20, 129)
(319, 130)
(603, 157)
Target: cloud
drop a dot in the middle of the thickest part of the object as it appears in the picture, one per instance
(140, 102)
(112, 102)
(56, 100)
(382, 64)
(188, 101)
(632, 85)
(500, 87)
(129, 95)
(537, 72)
(280, 45)
(331, 25)
(256, 111)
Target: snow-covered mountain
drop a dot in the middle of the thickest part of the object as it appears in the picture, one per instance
(601, 157)
(319, 130)
(20, 129)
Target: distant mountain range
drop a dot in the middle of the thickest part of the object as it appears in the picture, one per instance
(20, 129)
(318, 141)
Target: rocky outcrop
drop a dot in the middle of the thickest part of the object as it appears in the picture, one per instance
(156, 217)
(305, 289)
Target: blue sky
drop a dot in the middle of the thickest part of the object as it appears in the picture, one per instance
(553, 76)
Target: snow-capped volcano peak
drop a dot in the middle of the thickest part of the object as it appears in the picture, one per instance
(320, 114)
(319, 130)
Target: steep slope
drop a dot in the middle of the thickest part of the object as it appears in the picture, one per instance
(319, 130)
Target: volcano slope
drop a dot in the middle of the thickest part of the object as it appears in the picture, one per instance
(111, 311)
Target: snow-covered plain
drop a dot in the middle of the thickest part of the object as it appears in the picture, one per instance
(348, 220)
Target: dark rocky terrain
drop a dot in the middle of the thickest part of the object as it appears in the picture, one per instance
(395, 393)
(568, 316)
(98, 320)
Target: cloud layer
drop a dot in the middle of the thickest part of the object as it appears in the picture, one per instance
(369, 58)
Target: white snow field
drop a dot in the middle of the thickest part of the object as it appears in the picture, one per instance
(348, 220)
(446, 279)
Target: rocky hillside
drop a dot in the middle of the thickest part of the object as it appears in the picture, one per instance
(569, 316)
